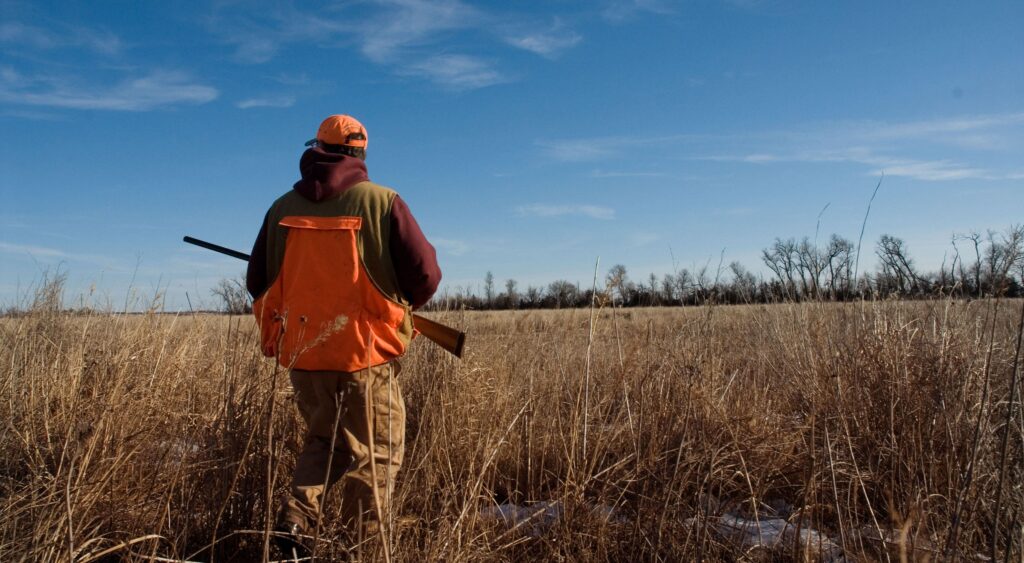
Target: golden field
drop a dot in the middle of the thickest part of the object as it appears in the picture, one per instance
(888, 429)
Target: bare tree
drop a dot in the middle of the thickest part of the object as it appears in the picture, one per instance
(489, 289)
(744, 284)
(652, 288)
(839, 257)
(1001, 258)
(562, 293)
(781, 259)
(618, 280)
(532, 296)
(975, 269)
(683, 281)
(668, 289)
(233, 295)
(702, 283)
(510, 293)
(897, 265)
(811, 264)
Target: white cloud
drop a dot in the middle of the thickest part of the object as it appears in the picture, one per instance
(98, 41)
(32, 115)
(619, 174)
(255, 49)
(546, 43)
(292, 79)
(734, 211)
(755, 158)
(578, 150)
(259, 34)
(927, 170)
(417, 38)
(974, 132)
(617, 11)
(930, 127)
(546, 210)
(745, 4)
(456, 72)
(451, 246)
(643, 238)
(151, 91)
(913, 149)
(597, 148)
(11, 248)
(51, 255)
(403, 24)
(274, 102)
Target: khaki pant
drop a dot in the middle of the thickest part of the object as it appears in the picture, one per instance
(319, 394)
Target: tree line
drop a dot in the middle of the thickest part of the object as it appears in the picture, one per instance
(978, 265)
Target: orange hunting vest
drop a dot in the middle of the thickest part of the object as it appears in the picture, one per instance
(323, 311)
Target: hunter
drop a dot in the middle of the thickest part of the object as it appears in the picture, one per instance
(335, 272)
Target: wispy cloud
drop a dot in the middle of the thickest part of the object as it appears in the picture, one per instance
(292, 79)
(428, 39)
(597, 148)
(408, 34)
(927, 170)
(620, 174)
(735, 211)
(259, 35)
(928, 128)
(31, 250)
(617, 11)
(753, 158)
(547, 43)
(643, 238)
(546, 210)
(456, 72)
(912, 149)
(932, 170)
(451, 246)
(745, 4)
(32, 115)
(154, 90)
(577, 150)
(272, 102)
(68, 36)
(405, 24)
(47, 254)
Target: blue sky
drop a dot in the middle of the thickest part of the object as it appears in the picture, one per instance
(528, 138)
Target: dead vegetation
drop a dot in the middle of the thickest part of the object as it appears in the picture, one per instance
(887, 428)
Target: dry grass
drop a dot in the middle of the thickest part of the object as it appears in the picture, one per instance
(879, 424)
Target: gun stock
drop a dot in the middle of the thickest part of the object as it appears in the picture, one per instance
(446, 337)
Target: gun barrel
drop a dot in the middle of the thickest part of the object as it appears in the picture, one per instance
(217, 248)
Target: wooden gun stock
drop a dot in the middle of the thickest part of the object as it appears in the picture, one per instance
(446, 337)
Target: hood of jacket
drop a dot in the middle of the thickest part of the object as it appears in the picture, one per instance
(326, 175)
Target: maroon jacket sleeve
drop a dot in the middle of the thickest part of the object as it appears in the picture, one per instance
(256, 274)
(414, 258)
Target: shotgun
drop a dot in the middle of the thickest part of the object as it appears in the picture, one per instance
(446, 337)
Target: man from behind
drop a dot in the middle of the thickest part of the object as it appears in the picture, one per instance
(335, 272)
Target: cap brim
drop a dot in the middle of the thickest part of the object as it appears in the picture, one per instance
(311, 142)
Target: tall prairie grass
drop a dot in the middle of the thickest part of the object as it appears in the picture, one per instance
(890, 427)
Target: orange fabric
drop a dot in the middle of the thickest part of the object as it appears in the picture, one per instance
(343, 130)
(323, 312)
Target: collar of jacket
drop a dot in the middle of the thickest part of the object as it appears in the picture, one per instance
(326, 175)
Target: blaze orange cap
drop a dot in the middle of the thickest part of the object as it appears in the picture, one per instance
(341, 130)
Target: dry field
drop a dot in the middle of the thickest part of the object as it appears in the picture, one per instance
(875, 431)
